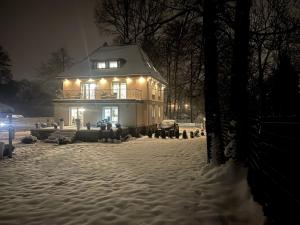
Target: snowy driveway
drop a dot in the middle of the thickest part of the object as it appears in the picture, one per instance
(142, 182)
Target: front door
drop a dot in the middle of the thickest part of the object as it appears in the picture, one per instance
(76, 113)
(111, 114)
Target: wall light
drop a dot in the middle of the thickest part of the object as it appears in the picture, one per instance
(141, 80)
(103, 81)
(91, 80)
(66, 82)
(77, 81)
(116, 79)
(128, 80)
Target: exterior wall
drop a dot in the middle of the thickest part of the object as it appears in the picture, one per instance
(130, 114)
(72, 87)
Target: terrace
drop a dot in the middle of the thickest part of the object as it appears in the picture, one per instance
(103, 94)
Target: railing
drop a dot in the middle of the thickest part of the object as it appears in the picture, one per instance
(104, 94)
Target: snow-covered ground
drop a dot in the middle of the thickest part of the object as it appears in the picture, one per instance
(141, 182)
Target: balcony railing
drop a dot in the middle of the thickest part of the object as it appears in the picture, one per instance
(104, 94)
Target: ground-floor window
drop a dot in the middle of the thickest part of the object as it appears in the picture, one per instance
(76, 113)
(111, 114)
(159, 112)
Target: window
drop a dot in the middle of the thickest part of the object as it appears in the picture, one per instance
(88, 90)
(159, 91)
(153, 91)
(101, 65)
(159, 113)
(153, 111)
(119, 89)
(111, 114)
(76, 113)
(113, 64)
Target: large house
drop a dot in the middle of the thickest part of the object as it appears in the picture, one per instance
(118, 84)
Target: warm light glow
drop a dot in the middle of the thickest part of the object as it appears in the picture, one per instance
(103, 81)
(77, 81)
(141, 80)
(91, 80)
(204, 118)
(148, 79)
(66, 82)
(186, 105)
(81, 109)
(128, 80)
(116, 79)
(163, 87)
(172, 105)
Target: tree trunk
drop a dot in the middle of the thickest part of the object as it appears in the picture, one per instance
(212, 108)
(191, 88)
(239, 78)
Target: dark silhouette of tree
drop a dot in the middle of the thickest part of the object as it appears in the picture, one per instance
(58, 62)
(212, 108)
(5, 72)
(239, 77)
(285, 89)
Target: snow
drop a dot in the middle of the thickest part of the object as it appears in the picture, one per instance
(141, 182)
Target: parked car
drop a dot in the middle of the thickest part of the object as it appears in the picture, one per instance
(169, 128)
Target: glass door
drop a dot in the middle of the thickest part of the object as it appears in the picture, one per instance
(119, 90)
(116, 89)
(89, 90)
(111, 114)
(76, 113)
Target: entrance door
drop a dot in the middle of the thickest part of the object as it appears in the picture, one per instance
(111, 114)
(76, 112)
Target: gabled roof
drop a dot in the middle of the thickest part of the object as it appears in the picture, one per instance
(133, 58)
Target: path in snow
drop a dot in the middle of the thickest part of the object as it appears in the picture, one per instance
(142, 182)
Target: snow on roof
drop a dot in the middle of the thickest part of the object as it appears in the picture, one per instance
(133, 61)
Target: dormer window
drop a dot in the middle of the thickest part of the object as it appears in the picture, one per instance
(101, 65)
(113, 64)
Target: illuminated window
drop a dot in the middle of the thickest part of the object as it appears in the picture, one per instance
(111, 114)
(113, 64)
(159, 91)
(101, 65)
(153, 111)
(159, 112)
(153, 92)
(119, 89)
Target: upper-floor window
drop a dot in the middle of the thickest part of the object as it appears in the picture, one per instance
(101, 65)
(119, 89)
(88, 90)
(113, 64)
(159, 91)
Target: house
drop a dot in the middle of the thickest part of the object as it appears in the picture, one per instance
(118, 84)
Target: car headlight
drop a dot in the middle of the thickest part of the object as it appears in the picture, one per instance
(2, 124)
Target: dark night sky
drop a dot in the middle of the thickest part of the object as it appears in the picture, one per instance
(31, 29)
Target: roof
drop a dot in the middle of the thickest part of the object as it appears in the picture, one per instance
(6, 109)
(134, 62)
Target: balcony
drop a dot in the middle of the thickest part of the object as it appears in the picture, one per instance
(104, 94)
